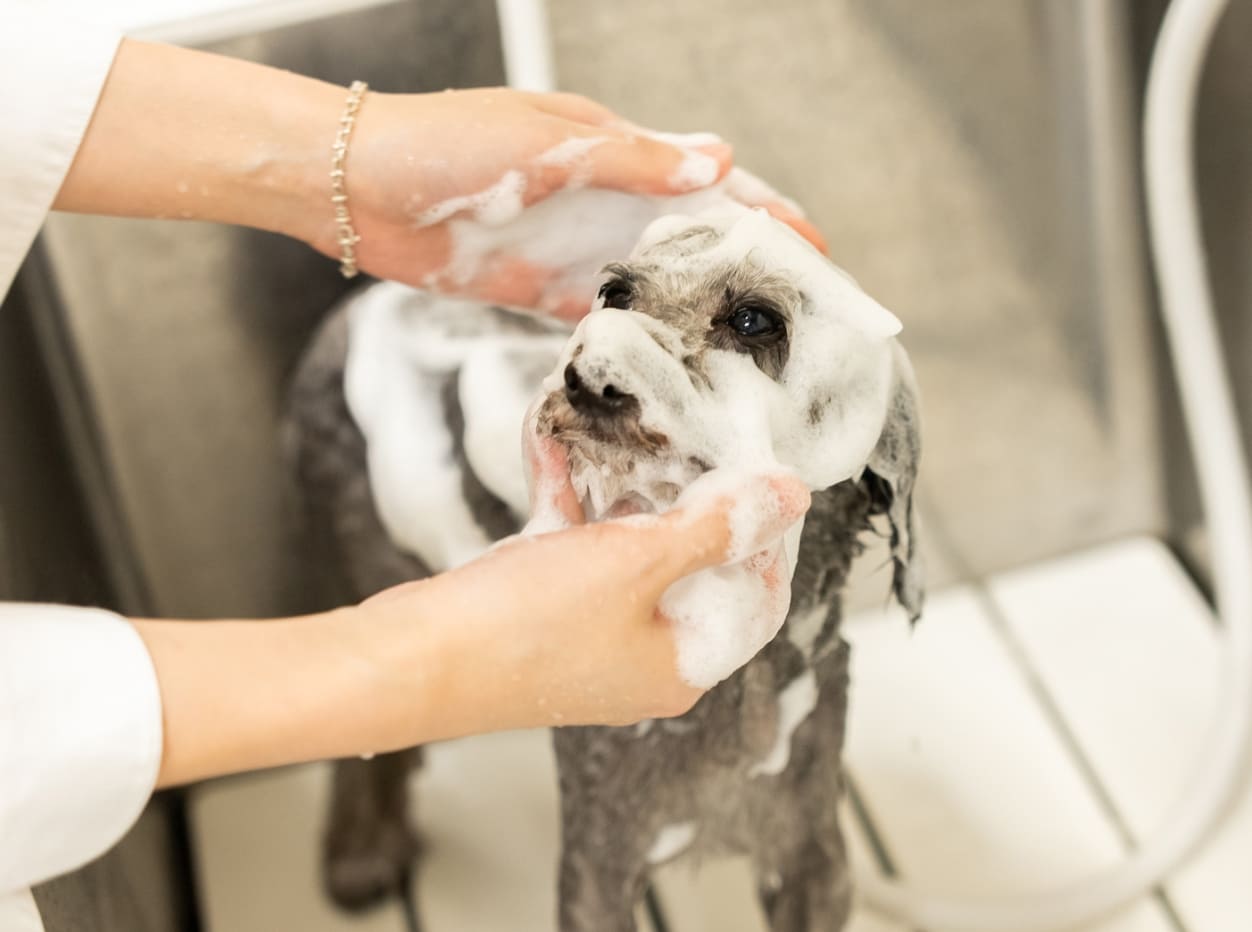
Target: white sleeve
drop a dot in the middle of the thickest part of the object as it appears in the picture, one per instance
(52, 70)
(80, 737)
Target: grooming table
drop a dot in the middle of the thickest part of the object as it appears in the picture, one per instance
(1034, 726)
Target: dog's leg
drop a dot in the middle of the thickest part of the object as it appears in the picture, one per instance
(598, 890)
(814, 893)
(602, 852)
(810, 890)
(369, 846)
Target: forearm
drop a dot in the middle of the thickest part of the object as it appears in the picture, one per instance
(556, 629)
(243, 695)
(182, 134)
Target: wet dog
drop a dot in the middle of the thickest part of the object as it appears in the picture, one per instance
(724, 342)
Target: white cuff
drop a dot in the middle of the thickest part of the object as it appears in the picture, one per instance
(52, 71)
(18, 913)
(80, 737)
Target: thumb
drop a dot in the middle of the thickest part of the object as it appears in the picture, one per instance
(716, 522)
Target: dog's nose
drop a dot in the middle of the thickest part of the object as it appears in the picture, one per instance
(606, 398)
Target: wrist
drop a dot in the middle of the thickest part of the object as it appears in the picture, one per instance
(414, 663)
(284, 186)
(444, 668)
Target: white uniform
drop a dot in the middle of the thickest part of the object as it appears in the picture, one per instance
(80, 712)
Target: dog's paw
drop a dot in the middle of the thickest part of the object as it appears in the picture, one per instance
(361, 869)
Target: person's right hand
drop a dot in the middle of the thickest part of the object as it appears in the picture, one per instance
(564, 628)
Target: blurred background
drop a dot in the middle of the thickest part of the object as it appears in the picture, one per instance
(973, 163)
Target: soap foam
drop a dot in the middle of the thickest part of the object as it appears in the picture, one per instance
(403, 346)
(574, 154)
(577, 230)
(721, 617)
(493, 206)
(821, 420)
(671, 841)
(696, 170)
(797, 699)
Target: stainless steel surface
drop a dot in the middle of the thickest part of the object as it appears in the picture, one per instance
(950, 152)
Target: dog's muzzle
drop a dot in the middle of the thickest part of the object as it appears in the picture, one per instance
(596, 396)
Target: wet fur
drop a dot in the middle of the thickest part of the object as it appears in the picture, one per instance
(620, 786)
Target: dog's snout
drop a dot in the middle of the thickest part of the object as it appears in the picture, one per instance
(592, 398)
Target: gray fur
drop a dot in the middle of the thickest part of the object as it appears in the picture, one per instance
(692, 309)
(894, 461)
(620, 786)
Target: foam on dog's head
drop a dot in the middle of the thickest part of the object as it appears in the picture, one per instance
(820, 416)
(717, 409)
(573, 232)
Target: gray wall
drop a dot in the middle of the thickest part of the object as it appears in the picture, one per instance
(951, 152)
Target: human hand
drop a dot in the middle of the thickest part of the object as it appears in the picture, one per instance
(564, 627)
(443, 188)
(183, 134)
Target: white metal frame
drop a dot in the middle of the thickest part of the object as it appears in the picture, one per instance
(524, 35)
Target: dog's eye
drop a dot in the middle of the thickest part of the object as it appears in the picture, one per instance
(753, 321)
(616, 294)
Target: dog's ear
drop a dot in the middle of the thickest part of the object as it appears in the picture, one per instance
(889, 478)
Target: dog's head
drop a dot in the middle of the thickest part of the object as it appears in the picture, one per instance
(728, 341)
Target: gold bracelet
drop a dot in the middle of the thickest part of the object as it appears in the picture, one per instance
(346, 233)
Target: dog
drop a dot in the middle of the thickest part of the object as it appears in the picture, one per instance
(723, 341)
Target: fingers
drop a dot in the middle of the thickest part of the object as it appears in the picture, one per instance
(575, 107)
(779, 210)
(553, 502)
(568, 306)
(643, 165)
(750, 190)
(639, 160)
(719, 523)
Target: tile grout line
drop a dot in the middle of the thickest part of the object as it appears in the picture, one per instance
(408, 903)
(652, 906)
(877, 844)
(999, 623)
(869, 829)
